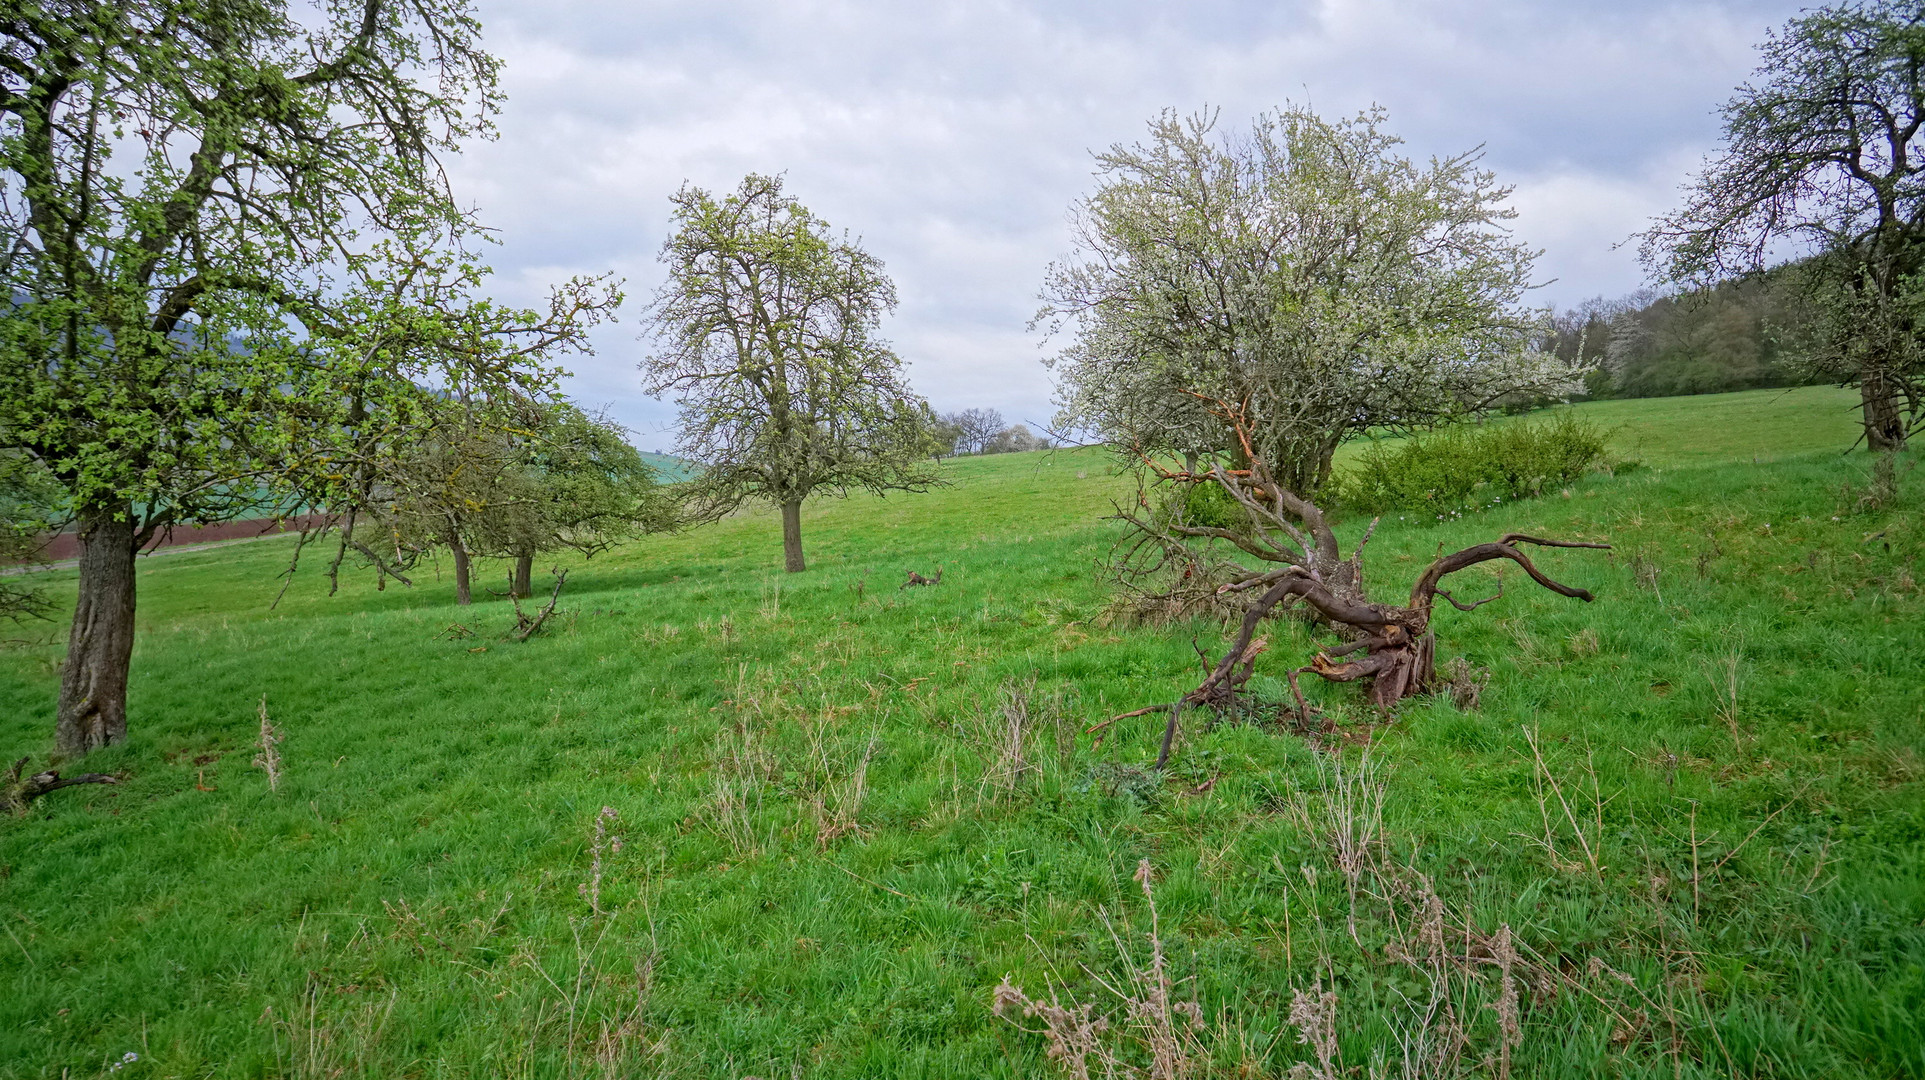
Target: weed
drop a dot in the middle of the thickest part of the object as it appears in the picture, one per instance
(269, 758)
(600, 844)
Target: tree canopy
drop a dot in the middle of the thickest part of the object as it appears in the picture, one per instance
(1303, 270)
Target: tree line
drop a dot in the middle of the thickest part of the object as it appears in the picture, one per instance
(237, 279)
(1742, 334)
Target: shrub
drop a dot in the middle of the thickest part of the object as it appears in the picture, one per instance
(1209, 505)
(1472, 466)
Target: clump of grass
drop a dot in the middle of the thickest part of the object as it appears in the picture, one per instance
(1157, 1033)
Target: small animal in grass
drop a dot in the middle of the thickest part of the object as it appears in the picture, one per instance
(918, 579)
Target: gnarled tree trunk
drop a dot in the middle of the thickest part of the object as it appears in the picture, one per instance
(1878, 393)
(523, 585)
(92, 712)
(463, 594)
(792, 537)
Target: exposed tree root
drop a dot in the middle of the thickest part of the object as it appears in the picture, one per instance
(1307, 568)
(18, 791)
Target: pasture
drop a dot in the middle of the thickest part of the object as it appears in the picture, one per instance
(1693, 811)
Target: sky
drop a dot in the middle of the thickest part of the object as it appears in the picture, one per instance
(952, 138)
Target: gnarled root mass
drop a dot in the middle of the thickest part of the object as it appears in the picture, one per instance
(1390, 647)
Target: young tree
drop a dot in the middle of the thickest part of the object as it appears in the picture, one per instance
(945, 436)
(220, 221)
(766, 337)
(1822, 161)
(1303, 270)
(575, 483)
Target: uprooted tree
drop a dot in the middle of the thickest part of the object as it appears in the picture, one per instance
(1243, 303)
(1306, 570)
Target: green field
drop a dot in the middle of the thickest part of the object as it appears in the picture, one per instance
(849, 811)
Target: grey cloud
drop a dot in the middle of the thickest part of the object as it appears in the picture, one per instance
(953, 137)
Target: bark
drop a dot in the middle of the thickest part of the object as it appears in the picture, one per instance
(523, 586)
(1884, 425)
(792, 537)
(462, 593)
(93, 684)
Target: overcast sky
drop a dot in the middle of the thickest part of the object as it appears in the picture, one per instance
(952, 138)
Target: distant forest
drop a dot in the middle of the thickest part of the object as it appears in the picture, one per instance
(1740, 335)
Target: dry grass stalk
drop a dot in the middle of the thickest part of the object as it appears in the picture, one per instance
(1510, 1034)
(269, 758)
(1157, 1027)
(601, 844)
(1723, 676)
(1587, 835)
(1314, 1014)
(1349, 815)
(1005, 738)
(739, 778)
(837, 799)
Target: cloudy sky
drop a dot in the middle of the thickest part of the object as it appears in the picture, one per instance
(953, 137)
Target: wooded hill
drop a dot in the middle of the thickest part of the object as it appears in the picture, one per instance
(1743, 334)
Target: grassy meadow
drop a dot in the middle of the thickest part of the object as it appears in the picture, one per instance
(1682, 834)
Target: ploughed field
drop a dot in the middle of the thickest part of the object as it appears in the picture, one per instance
(1681, 834)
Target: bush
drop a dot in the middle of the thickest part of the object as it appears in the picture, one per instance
(1470, 467)
(1211, 506)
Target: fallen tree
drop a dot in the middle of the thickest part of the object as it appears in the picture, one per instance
(1307, 572)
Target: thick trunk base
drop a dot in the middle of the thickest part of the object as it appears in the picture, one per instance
(792, 538)
(93, 684)
(523, 585)
(1884, 422)
(463, 593)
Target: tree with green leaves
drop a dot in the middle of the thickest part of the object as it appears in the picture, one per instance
(1822, 163)
(28, 497)
(766, 335)
(574, 483)
(1303, 270)
(231, 253)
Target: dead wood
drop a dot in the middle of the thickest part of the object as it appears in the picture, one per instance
(18, 791)
(527, 626)
(1306, 570)
(918, 579)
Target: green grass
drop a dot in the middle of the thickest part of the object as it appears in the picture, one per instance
(410, 902)
(1768, 425)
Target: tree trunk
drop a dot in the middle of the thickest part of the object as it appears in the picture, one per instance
(524, 586)
(93, 685)
(792, 537)
(462, 593)
(1884, 427)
